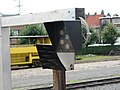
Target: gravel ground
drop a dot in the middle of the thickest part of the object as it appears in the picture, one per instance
(83, 66)
(103, 87)
(30, 72)
(35, 76)
(95, 65)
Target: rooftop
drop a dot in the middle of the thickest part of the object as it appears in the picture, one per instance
(93, 20)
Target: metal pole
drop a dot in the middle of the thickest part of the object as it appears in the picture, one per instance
(5, 68)
(59, 80)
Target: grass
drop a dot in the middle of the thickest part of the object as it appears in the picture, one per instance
(73, 81)
(91, 57)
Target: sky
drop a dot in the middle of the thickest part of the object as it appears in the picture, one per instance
(36, 6)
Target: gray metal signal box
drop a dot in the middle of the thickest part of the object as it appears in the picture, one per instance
(66, 38)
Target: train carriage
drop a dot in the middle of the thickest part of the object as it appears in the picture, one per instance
(26, 54)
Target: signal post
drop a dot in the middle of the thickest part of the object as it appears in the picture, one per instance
(59, 80)
(66, 39)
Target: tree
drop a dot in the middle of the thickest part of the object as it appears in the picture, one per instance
(103, 24)
(14, 32)
(102, 12)
(32, 30)
(108, 14)
(109, 34)
(95, 13)
(94, 36)
(88, 14)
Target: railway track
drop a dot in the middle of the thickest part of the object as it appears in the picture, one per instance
(22, 67)
(84, 84)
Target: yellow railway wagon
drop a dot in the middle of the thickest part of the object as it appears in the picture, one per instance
(27, 54)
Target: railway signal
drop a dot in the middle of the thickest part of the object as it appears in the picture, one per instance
(64, 34)
(66, 38)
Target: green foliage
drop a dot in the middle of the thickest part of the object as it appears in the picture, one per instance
(13, 32)
(32, 30)
(105, 23)
(88, 14)
(98, 50)
(94, 36)
(118, 34)
(108, 14)
(109, 34)
(102, 12)
(95, 13)
(83, 34)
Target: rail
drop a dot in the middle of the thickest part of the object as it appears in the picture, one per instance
(89, 83)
